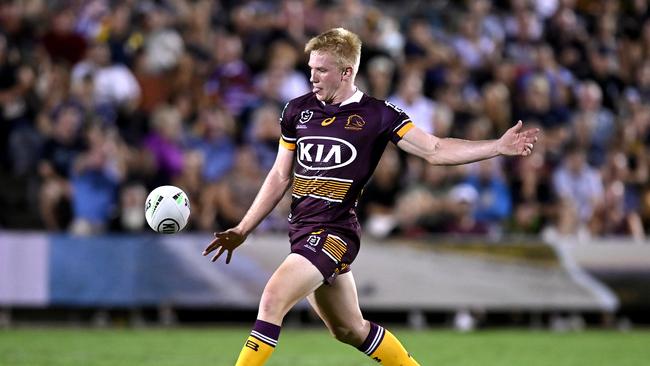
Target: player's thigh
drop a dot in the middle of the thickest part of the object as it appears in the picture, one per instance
(294, 279)
(338, 305)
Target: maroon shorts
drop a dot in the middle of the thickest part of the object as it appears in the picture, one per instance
(331, 250)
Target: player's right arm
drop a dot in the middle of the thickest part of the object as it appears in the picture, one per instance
(275, 185)
(271, 192)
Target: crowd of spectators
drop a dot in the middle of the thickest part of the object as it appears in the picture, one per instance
(103, 100)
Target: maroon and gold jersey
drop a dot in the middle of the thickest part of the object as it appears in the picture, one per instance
(337, 148)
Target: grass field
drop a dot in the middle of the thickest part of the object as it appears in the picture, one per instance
(220, 346)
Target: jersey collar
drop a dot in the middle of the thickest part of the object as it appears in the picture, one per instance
(354, 98)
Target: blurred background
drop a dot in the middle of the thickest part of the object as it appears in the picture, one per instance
(103, 100)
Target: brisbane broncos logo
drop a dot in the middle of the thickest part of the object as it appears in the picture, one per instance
(355, 123)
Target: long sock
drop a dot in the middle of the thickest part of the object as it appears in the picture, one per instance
(259, 344)
(382, 346)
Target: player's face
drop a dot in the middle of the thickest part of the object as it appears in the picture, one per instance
(326, 76)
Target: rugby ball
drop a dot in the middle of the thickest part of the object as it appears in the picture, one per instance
(167, 209)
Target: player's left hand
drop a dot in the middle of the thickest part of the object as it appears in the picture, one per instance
(225, 241)
(516, 142)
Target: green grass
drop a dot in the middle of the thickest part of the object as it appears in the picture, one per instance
(220, 346)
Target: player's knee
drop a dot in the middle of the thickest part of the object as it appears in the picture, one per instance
(272, 305)
(348, 334)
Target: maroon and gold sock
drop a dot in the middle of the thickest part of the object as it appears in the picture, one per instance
(259, 345)
(382, 346)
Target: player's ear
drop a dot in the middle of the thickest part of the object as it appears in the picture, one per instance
(346, 72)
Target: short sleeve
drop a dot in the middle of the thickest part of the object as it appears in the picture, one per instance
(288, 128)
(400, 122)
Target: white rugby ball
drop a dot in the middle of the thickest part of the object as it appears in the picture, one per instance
(167, 209)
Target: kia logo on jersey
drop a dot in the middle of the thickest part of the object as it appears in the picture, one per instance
(324, 153)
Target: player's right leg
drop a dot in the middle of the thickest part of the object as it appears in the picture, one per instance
(292, 281)
(338, 307)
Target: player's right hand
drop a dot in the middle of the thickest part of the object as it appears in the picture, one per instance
(225, 241)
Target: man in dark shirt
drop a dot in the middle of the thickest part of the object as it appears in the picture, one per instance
(57, 158)
(332, 139)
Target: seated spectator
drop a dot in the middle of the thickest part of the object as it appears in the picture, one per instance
(163, 45)
(579, 189)
(494, 203)
(231, 198)
(282, 65)
(475, 49)
(379, 77)
(61, 41)
(423, 205)
(212, 136)
(421, 48)
(58, 155)
(379, 198)
(593, 124)
(531, 191)
(18, 106)
(231, 82)
(264, 134)
(96, 175)
(114, 85)
(132, 199)
(165, 144)
(497, 106)
(537, 104)
(620, 211)
(462, 201)
(411, 99)
(459, 90)
(192, 183)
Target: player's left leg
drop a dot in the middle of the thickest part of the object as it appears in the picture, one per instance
(338, 306)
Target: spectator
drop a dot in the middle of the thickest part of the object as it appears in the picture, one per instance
(379, 77)
(191, 181)
(538, 104)
(114, 85)
(463, 197)
(57, 158)
(231, 82)
(130, 217)
(475, 49)
(61, 41)
(96, 175)
(264, 134)
(236, 192)
(411, 99)
(531, 191)
(579, 189)
(424, 205)
(165, 143)
(494, 203)
(593, 124)
(379, 199)
(213, 139)
(281, 65)
(163, 46)
(620, 213)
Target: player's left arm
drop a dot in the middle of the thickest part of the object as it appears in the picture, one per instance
(451, 151)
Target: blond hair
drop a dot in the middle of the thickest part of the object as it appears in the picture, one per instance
(341, 43)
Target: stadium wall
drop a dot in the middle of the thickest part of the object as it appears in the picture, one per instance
(125, 271)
